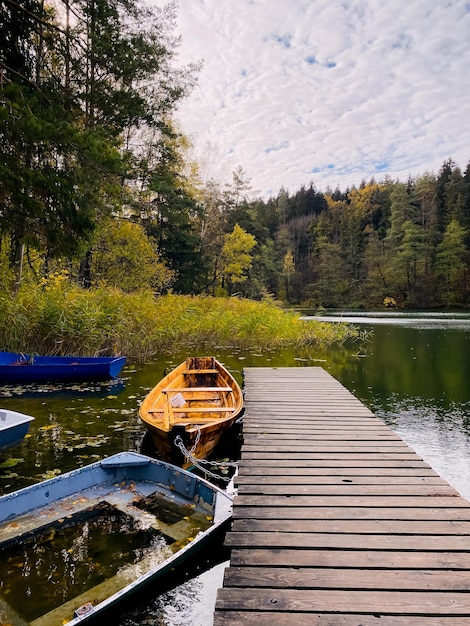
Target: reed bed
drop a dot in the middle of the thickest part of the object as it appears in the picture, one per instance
(58, 318)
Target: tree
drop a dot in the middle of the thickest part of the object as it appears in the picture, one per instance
(123, 256)
(77, 99)
(451, 267)
(288, 269)
(410, 264)
(236, 258)
(329, 287)
(401, 211)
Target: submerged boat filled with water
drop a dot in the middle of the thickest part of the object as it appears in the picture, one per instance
(190, 409)
(78, 544)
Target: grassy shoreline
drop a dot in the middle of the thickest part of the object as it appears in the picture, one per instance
(59, 318)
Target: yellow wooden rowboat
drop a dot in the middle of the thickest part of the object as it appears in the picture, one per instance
(194, 404)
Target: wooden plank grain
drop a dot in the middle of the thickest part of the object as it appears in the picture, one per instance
(262, 618)
(307, 512)
(376, 559)
(353, 541)
(371, 477)
(349, 489)
(354, 526)
(347, 578)
(345, 601)
(352, 501)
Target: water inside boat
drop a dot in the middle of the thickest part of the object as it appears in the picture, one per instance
(79, 558)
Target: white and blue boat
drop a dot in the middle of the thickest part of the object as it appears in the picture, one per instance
(78, 544)
(13, 427)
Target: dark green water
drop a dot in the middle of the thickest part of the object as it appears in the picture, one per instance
(414, 373)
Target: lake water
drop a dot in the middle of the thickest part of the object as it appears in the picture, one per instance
(413, 372)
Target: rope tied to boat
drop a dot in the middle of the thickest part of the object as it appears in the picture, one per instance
(203, 464)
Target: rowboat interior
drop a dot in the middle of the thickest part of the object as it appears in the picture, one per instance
(193, 394)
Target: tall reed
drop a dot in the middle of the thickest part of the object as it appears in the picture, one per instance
(57, 317)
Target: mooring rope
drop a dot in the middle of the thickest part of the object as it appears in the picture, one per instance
(203, 464)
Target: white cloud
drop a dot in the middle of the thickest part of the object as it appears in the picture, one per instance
(329, 91)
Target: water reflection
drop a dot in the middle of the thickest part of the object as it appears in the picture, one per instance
(415, 377)
(418, 320)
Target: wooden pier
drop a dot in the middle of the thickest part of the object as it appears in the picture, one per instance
(337, 522)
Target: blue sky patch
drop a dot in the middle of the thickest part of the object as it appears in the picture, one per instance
(383, 165)
(319, 170)
(280, 146)
(284, 40)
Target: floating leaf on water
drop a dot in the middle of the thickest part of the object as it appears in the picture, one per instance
(49, 427)
(9, 475)
(10, 463)
(50, 474)
(111, 397)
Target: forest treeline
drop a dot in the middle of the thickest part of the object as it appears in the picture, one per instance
(98, 183)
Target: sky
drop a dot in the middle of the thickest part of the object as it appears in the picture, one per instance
(329, 92)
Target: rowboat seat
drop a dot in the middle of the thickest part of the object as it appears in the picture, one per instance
(196, 389)
(196, 409)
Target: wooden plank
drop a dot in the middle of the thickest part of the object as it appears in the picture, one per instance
(369, 477)
(268, 472)
(352, 437)
(348, 512)
(353, 541)
(347, 578)
(339, 600)
(283, 462)
(331, 456)
(377, 559)
(349, 490)
(353, 501)
(259, 618)
(354, 526)
(329, 446)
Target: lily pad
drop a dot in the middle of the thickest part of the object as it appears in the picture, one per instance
(10, 463)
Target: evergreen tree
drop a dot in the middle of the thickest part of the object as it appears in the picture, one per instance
(451, 266)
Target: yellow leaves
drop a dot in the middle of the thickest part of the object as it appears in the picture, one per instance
(235, 253)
